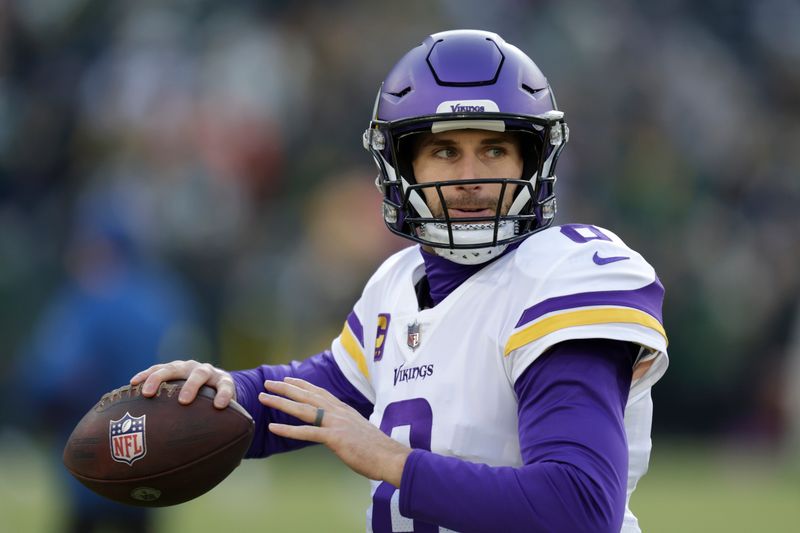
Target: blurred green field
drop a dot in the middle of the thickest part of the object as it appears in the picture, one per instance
(690, 488)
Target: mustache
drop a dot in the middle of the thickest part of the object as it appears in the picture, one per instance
(472, 202)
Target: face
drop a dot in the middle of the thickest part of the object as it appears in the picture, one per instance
(462, 156)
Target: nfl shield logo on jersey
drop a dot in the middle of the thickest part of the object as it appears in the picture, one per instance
(413, 338)
(126, 437)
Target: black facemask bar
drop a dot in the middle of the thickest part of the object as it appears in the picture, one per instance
(521, 221)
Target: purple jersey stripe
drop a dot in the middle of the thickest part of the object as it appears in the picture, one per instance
(647, 299)
(356, 327)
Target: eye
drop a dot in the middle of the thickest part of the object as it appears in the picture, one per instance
(445, 153)
(495, 152)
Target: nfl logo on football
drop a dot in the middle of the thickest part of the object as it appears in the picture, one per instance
(126, 437)
(413, 339)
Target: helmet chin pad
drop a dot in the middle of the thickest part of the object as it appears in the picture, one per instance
(476, 256)
(468, 234)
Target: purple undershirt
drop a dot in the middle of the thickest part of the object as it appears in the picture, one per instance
(320, 369)
(571, 433)
(444, 276)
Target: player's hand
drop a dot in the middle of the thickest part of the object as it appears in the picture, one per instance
(360, 445)
(196, 375)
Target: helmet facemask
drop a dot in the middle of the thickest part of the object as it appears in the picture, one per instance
(524, 204)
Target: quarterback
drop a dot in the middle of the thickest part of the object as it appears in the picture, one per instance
(496, 375)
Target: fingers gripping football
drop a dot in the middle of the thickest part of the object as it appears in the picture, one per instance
(359, 444)
(196, 375)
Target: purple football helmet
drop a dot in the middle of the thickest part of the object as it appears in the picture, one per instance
(466, 79)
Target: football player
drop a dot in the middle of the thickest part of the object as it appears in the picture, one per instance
(496, 375)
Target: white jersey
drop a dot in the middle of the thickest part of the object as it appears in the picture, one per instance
(443, 378)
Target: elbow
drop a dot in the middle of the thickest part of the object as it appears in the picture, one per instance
(609, 521)
(603, 505)
(579, 502)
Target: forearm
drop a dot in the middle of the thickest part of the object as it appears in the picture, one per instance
(320, 369)
(472, 497)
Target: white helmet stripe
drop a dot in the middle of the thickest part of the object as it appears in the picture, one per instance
(521, 199)
(390, 174)
(416, 201)
(414, 198)
(524, 195)
(549, 162)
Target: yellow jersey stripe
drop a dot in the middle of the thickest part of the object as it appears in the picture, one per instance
(350, 344)
(582, 317)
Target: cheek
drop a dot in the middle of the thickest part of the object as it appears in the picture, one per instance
(510, 188)
(494, 189)
(432, 198)
(512, 168)
(425, 172)
(509, 195)
(428, 170)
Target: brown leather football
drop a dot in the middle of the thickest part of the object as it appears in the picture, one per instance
(155, 452)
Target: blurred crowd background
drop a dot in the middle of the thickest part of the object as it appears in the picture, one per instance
(186, 179)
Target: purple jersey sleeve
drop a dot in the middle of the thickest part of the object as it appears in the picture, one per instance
(574, 450)
(320, 369)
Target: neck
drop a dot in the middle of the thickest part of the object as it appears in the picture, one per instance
(445, 276)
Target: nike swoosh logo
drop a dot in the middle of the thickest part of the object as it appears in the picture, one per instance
(606, 260)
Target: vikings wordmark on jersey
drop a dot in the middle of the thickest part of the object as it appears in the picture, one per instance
(553, 289)
(126, 437)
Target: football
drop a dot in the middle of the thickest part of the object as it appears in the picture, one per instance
(156, 452)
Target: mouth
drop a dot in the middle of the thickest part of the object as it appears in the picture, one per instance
(470, 213)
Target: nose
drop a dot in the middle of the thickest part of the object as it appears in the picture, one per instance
(469, 167)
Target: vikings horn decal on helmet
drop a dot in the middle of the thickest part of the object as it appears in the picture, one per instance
(466, 79)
